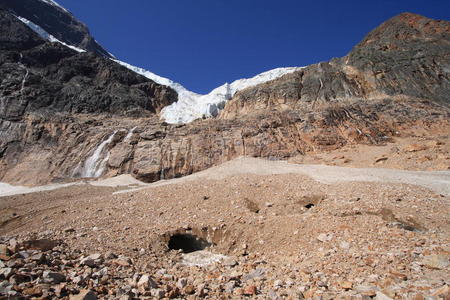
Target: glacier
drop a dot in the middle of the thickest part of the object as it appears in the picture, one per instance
(191, 106)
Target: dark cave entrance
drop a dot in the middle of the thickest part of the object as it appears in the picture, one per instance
(309, 205)
(187, 243)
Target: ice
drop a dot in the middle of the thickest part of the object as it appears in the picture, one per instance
(45, 35)
(191, 106)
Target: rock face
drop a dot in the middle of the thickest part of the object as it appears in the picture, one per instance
(57, 21)
(65, 114)
(38, 76)
(43, 84)
(408, 55)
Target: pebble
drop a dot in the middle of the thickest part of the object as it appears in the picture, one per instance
(182, 282)
(436, 261)
(381, 296)
(250, 290)
(157, 293)
(323, 237)
(53, 277)
(145, 283)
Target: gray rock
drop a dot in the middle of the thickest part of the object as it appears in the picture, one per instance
(181, 283)
(257, 273)
(5, 287)
(6, 273)
(145, 283)
(157, 293)
(38, 257)
(53, 277)
(84, 295)
(92, 260)
(229, 287)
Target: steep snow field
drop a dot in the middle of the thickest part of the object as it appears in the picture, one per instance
(192, 106)
(45, 35)
(51, 2)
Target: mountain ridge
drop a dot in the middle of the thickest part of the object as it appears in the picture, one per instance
(57, 21)
(62, 112)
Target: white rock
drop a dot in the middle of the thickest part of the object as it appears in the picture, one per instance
(146, 282)
(278, 283)
(323, 237)
(182, 282)
(381, 296)
(344, 245)
(157, 293)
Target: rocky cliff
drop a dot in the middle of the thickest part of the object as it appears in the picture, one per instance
(408, 55)
(57, 21)
(65, 114)
(43, 85)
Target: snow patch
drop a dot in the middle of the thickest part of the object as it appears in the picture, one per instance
(191, 106)
(9, 190)
(121, 180)
(45, 35)
(53, 3)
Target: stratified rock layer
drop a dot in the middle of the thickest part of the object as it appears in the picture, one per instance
(408, 55)
(395, 80)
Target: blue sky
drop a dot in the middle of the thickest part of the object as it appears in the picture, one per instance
(205, 43)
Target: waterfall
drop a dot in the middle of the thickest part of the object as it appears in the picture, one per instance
(94, 166)
(23, 81)
(130, 133)
(22, 86)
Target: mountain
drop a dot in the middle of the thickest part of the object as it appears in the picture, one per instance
(191, 106)
(68, 109)
(407, 55)
(57, 21)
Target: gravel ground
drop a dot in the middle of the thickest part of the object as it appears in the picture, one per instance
(267, 229)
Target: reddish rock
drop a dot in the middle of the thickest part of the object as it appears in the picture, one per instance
(250, 290)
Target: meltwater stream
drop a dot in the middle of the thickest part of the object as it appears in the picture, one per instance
(95, 164)
(130, 134)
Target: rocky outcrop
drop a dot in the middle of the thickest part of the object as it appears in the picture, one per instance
(43, 85)
(408, 55)
(41, 150)
(38, 76)
(57, 21)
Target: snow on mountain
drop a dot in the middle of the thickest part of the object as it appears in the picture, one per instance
(191, 106)
(51, 2)
(45, 35)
